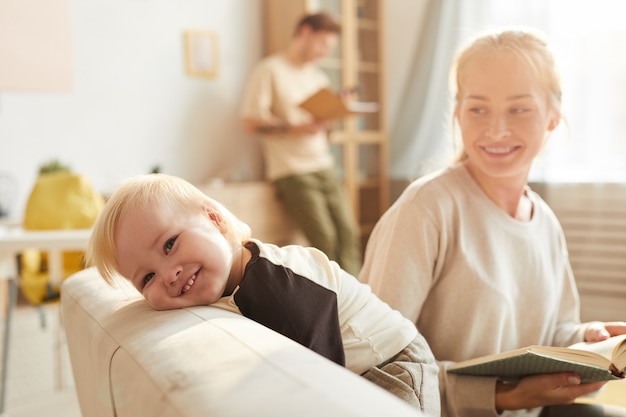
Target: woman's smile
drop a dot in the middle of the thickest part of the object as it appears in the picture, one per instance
(499, 151)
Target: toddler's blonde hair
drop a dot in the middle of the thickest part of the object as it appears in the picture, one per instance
(153, 190)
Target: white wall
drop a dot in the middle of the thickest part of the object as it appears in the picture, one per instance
(132, 106)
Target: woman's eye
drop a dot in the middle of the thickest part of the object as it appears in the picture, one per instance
(146, 279)
(477, 110)
(519, 110)
(168, 245)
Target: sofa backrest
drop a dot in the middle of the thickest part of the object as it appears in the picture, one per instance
(130, 360)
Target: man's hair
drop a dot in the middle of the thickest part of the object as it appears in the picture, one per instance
(319, 22)
(148, 191)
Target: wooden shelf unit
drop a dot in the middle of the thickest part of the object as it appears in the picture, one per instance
(359, 143)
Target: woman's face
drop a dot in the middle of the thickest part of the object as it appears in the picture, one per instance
(504, 116)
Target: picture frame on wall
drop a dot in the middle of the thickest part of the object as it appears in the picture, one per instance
(201, 53)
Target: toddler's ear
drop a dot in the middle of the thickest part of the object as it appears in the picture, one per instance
(216, 218)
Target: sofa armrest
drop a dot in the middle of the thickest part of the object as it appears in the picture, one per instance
(130, 360)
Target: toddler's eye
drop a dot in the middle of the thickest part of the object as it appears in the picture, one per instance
(168, 245)
(146, 279)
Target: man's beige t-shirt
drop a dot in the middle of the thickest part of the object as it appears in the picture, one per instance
(274, 92)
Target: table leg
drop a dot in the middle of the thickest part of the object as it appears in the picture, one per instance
(6, 342)
(55, 267)
(58, 353)
(55, 272)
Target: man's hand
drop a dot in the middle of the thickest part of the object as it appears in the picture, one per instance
(313, 127)
(287, 129)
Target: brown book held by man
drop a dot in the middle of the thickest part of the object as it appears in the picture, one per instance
(327, 105)
(599, 361)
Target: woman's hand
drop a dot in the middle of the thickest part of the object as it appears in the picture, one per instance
(541, 390)
(598, 331)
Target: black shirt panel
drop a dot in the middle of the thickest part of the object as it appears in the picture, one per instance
(291, 305)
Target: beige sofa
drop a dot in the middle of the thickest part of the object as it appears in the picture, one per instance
(131, 361)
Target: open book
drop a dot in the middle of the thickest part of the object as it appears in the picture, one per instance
(325, 105)
(600, 361)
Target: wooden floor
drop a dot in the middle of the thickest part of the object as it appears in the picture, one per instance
(40, 382)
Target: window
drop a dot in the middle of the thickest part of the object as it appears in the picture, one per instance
(588, 39)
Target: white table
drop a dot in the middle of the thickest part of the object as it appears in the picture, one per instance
(13, 240)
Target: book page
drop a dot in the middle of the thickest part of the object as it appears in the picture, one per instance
(574, 355)
(362, 107)
(613, 349)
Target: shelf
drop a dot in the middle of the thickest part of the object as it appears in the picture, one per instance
(367, 24)
(360, 137)
(368, 66)
(369, 183)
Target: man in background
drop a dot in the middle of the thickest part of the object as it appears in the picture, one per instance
(295, 145)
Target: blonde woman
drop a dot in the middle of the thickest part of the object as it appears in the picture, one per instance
(472, 255)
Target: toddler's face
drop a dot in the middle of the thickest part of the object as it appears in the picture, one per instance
(174, 258)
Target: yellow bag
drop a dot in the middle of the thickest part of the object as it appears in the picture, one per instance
(58, 200)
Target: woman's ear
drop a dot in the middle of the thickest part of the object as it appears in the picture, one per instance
(555, 116)
(554, 122)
